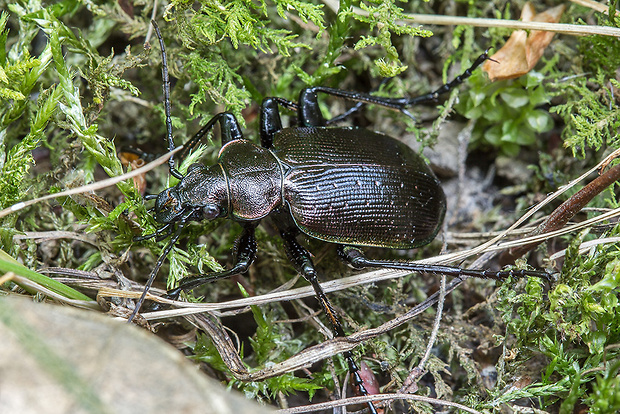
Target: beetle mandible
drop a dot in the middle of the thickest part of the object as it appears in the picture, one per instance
(349, 186)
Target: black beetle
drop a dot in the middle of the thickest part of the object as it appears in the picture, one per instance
(348, 186)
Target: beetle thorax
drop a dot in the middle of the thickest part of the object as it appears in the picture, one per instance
(254, 177)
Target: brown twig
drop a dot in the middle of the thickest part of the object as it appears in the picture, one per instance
(375, 397)
(565, 212)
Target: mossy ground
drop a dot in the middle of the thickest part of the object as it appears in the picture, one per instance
(77, 85)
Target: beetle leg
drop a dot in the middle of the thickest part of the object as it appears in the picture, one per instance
(160, 234)
(301, 259)
(356, 258)
(354, 108)
(229, 131)
(245, 254)
(270, 121)
(310, 115)
(447, 87)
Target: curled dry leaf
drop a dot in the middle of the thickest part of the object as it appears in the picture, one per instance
(135, 160)
(522, 50)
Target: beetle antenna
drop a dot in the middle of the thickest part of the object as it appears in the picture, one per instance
(160, 261)
(166, 86)
(161, 233)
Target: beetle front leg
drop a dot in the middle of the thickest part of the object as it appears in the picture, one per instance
(356, 258)
(300, 257)
(245, 254)
(229, 131)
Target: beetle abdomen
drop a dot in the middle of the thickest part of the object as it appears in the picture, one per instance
(380, 194)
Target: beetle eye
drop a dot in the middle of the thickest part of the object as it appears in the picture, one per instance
(210, 211)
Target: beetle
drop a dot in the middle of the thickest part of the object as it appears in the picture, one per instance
(344, 185)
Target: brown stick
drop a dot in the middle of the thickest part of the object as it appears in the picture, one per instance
(565, 212)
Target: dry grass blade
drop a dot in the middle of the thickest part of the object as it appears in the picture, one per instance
(567, 210)
(375, 397)
(488, 246)
(570, 29)
(307, 357)
(25, 282)
(594, 5)
(94, 186)
(41, 236)
(584, 247)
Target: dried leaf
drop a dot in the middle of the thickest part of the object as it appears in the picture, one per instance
(522, 50)
(133, 159)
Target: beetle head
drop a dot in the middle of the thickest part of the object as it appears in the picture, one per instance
(201, 195)
(168, 206)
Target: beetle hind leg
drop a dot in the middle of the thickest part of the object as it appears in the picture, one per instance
(301, 259)
(356, 258)
(310, 115)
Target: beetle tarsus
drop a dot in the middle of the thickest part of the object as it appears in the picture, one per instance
(159, 235)
(172, 294)
(433, 96)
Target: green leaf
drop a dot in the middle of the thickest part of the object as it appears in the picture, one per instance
(611, 278)
(539, 121)
(8, 264)
(515, 98)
